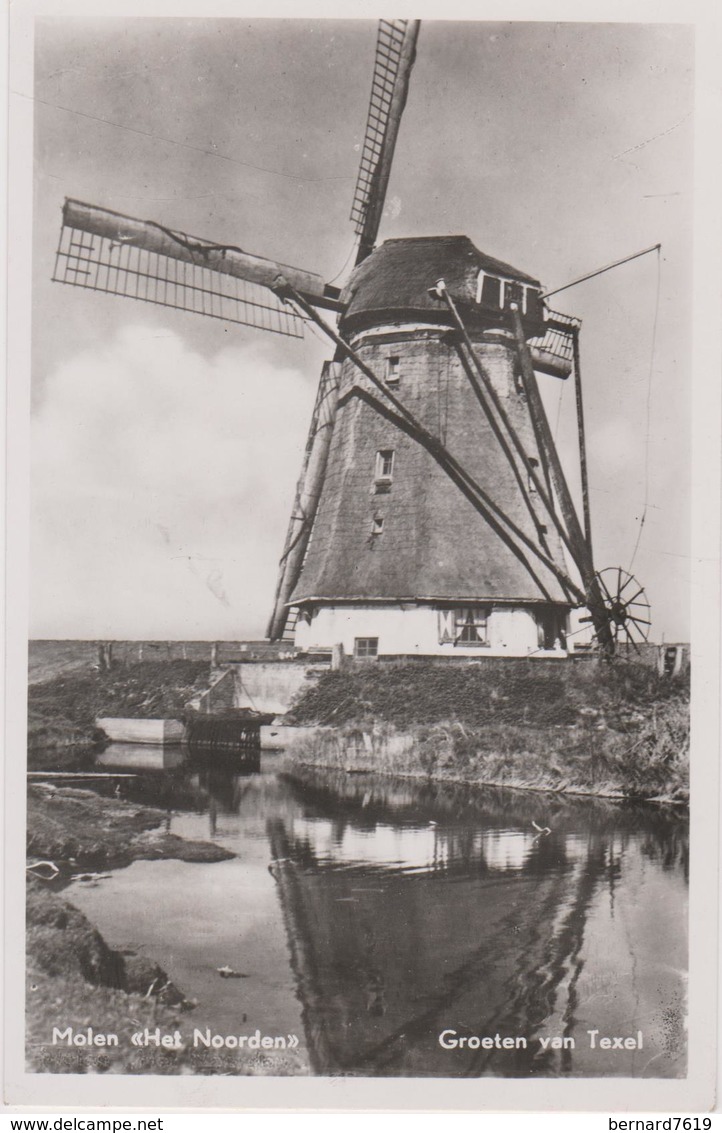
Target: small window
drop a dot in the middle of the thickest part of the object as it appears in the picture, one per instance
(463, 626)
(385, 464)
(534, 464)
(365, 647)
(377, 526)
(393, 371)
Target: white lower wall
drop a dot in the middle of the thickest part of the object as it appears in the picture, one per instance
(414, 630)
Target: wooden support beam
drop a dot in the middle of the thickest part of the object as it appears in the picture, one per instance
(308, 494)
(582, 557)
(482, 503)
(518, 473)
(582, 439)
(531, 472)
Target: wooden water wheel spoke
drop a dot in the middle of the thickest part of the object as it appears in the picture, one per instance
(628, 618)
(626, 584)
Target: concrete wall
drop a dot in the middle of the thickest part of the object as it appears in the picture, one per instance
(414, 630)
(220, 695)
(272, 686)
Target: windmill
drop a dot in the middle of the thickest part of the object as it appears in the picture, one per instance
(432, 514)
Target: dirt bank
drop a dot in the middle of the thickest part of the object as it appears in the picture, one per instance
(614, 730)
(74, 980)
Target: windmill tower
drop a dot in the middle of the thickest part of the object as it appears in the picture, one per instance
(432, 515)
(398, 561)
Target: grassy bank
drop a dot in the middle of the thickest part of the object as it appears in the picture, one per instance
(79, 829)
(74, 979)
(62, 711)
(613, 729)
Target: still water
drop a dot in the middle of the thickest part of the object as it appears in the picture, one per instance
(368, 916)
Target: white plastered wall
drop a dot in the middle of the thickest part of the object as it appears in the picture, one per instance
(408, 630)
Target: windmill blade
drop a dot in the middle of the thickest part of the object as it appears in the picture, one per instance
(395, 55)
(121, 255)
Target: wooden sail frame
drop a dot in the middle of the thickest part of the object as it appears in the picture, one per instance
(395, 55)
(102, 250)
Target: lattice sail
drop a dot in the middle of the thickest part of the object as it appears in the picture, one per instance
(389, 44)
(105, 251)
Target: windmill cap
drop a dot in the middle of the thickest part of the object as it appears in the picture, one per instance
(396, 277)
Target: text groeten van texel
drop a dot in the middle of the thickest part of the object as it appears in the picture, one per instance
(451, 1040)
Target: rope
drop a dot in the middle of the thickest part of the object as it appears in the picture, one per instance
(559, 411)
(182, 145)
(345, 263)
(244, 688)
(649, 406)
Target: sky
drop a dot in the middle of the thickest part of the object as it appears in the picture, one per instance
(166, 446)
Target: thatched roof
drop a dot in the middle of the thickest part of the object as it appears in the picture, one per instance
(395, 278)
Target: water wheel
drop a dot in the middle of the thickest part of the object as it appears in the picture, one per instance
(628, 611)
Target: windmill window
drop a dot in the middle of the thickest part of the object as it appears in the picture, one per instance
(366, 647)
(393, 371)
(534, 465)
(465, 625)
(470, 625)
(488, 290)
(384, 465)
(513, 293)
(532, 303)
(377, 526)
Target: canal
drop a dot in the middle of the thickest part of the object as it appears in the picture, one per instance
(384, 921)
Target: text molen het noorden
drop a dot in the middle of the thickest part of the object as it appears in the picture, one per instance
(448, 1039)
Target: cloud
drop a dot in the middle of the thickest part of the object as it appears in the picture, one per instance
(162, 485)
